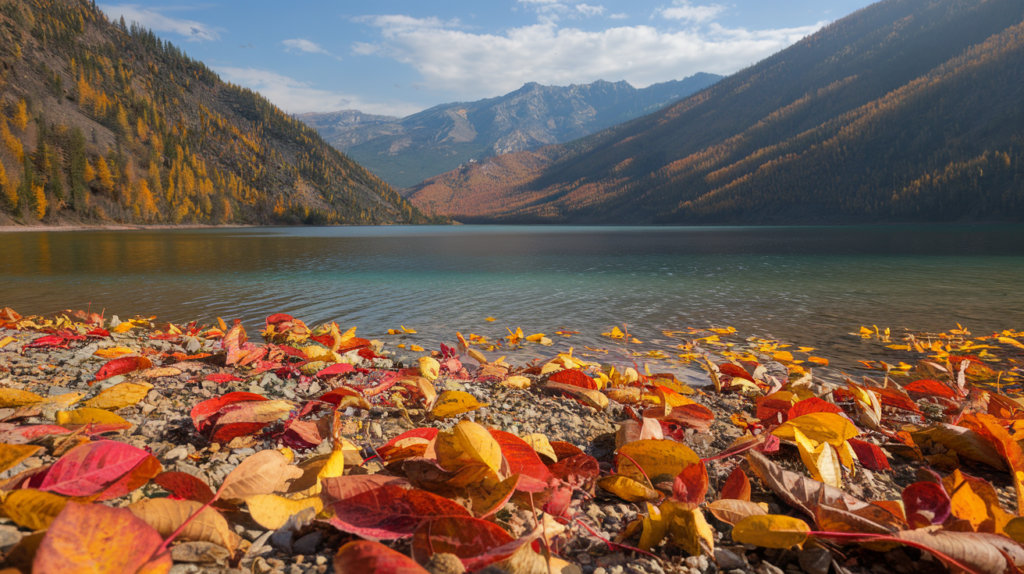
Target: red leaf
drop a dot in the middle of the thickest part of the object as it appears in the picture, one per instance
(95, 468)
(574, 377)
(579, 469)
(870, 455)
(99, 333)
(930, 388)
(691, 485)
(926, 503)
(334, 396)
(564, 449)
(737, 486)
(202, 412)
(336, 369)
(24, 434)
(353, 343)
(279, 318)
(813, 405)
(384, 511)
(53, 341)
(221, 378)
(301, 434)
(365, 557)
(471, 539)
(184, 486)
(559, 502)
(697, 417)
(121, 366)
(224, 433)
(522, 459)
(97, 538)
(735, 371)
(768, 410)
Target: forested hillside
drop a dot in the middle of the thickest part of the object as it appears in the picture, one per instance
(907, 110)
(105, 122)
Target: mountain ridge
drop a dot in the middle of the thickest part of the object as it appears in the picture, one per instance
(405, 151)
(902, 111)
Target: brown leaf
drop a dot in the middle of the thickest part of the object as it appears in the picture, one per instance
(979, 551)
(731, 511)
(166, 515)
(265, 472)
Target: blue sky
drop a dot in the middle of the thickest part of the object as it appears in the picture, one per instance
(399, 57)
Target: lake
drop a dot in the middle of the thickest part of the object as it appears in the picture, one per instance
(807, 285)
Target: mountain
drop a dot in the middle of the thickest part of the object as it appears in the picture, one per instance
(406, 151)
(104, 122)
(906, 110)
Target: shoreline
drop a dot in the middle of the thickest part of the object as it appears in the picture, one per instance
(112, 227)
(313, 393)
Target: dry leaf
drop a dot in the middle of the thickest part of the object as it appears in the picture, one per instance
(33, 509)
(454, 403)
(272, 511)
(265, 472)
(119, 396)
(771, 531)
(731, 511)
(165, 515)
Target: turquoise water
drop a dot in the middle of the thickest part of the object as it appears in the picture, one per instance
(809, 285)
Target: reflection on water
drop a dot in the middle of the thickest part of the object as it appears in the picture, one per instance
(807, 285)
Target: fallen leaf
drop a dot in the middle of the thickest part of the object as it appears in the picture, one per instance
(166, 515)
(119, 396)
(574, 377)
(466, 537)
(122, 366)
(688, 528)
(33, 509)
(731, 511)
(691, 485)
(660, 460)
(272, 511)
(383, 510)
(521, 457)
(16, 398)
(925, 503)
(592, 398)
(628, 489)
(454, 403)
(184, 486)
(771, 531)
(429, 368)
(820, 427)
(97, 539)
(983, 553)
(266, 472)
(737, 486)
(11, 455)
(105, 469)
(85, 415)
(366, 557)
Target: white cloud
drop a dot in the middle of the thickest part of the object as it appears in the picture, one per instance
(683, 10)
(154, 20)
(588, 10)
(296, 97)
(303, 45)
(476, 65)
(619, 16)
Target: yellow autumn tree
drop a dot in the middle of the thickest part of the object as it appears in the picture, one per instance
(21, 115)
(89, 173)
(11, 141)
(144, 203)
(8, 191)
(39, 199)
(103, 175)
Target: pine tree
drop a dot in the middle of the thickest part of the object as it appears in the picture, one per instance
(78, 168)
(104, 178)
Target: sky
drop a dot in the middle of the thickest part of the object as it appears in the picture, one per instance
(399, 57)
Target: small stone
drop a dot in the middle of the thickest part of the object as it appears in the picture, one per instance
(308, 543)
(321, 560)
(176, 453)
(815, 560)
(768, 568)
(200, 553)
(600, 570)
(729, 560)
(444, 563)
(314, 388)
(375, 430)
(691, 562)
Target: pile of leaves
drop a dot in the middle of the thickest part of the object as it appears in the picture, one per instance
(806, 447)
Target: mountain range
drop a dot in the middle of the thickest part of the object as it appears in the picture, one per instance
(406, 151)
(104, 122)
(906, 110)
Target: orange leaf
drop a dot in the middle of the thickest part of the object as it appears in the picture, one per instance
(97, 539)
(737, 486)
(691, 485)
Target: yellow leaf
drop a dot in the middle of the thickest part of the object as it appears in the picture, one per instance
(16, 398)
(819, 427)
(416, 348)
(429, 368)
(166, 515)
(820, 459)
(405, 330)
(516, 382)
(123, 327)
(488, 496)
(11, 455)
(654, 528)
(114, 352)
(33, 509)
(535, 338)
(454, 403)
(83, 416)
(490, 319)
(615, 333)
(783, 356)
(771, 531)
(628, 489)
(818, 361)
(660, 459)
(119, 396)
(272, 511)
(688, 528)
(541, 445)
(731, 511)
(1006, 340)
(6, 341)
(479, 444)
(592, 398)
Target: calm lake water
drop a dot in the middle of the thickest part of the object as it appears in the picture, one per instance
(808, 285)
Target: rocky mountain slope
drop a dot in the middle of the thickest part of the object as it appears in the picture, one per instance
(406, 151)
(907, 110)
(104, 122)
